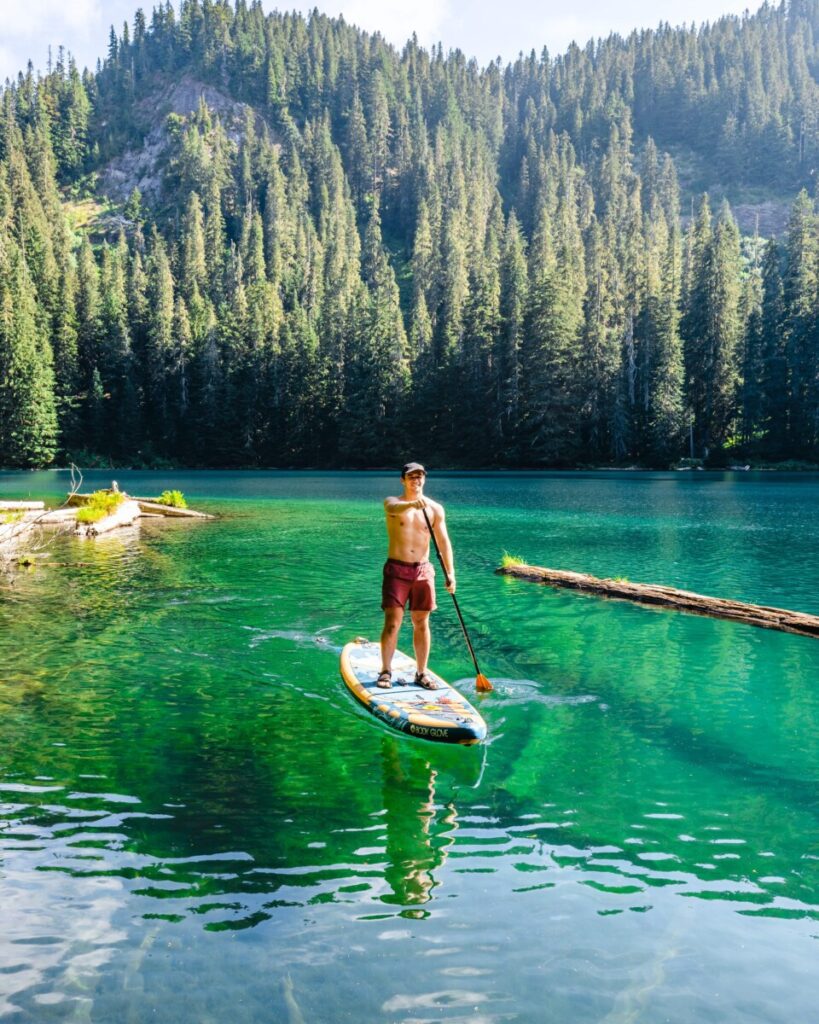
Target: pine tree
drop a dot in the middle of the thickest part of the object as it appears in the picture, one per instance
(713, 328)
(773, 416)
(28, 417)
(159, 349)
(377, 370)
(801, 286)
(510, 341)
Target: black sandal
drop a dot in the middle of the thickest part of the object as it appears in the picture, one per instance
(425, 680)
(384, 680)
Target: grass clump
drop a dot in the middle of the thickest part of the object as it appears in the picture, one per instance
(509, 561)
(176, 499)
(100, 505)
(13, 516)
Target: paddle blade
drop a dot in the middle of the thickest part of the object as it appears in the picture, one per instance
(482, 684)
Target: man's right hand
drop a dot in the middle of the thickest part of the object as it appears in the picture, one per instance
(420, 503)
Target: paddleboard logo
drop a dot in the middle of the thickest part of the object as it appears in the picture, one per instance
(424, 730)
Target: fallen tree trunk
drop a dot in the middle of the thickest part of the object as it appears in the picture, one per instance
(155, 508)
(16, 506)
(12, 532)
(125, 514)
(148, 505)
(669, 597)
(58, 517)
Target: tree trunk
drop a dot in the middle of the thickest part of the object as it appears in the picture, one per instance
(669, 597)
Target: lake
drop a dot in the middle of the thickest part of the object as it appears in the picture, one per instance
(198, 823)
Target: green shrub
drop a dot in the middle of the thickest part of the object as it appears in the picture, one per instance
(100, 505)
(176, 499)
(508, 561)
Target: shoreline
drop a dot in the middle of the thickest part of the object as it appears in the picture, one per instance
(786, 467)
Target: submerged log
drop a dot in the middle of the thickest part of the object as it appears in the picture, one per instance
(669, 597)
(124, 515)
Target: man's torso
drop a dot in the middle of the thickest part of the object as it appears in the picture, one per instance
(408, 534)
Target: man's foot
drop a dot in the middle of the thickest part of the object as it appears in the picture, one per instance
(384, 680)
(425, 680)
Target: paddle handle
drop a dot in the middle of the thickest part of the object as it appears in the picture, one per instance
(454, 599)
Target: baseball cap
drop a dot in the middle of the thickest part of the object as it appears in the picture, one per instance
(413, 467)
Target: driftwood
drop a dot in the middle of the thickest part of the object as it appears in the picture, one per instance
(25, 516)
(12, 532)
(58, 517)
(148, 505)
(670, 597)
(17, 506)
(124, 515)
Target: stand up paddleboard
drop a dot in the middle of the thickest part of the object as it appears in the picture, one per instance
(442, 715)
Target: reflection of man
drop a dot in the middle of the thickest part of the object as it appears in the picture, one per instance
(412, 853)
(409, 575)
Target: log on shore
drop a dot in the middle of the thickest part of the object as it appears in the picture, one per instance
(58, 517)
(124, 515)
(11, 533)
(669, 597)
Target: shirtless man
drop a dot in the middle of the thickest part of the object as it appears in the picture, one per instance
(408, 573)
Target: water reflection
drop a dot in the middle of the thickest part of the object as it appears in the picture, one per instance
(415, 848)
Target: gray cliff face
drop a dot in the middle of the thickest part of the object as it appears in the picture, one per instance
(142, 168)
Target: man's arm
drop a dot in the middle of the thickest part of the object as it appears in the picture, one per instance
(393, 506)
(445, 546)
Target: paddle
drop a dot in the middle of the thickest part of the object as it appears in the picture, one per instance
(482, 684)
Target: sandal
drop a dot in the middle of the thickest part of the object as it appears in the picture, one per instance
(425, 680)
(384, 680)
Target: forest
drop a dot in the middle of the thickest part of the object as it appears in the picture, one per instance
(343, 254)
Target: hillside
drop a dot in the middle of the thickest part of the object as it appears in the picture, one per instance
(263, 239)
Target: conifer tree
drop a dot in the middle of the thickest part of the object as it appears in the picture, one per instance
(773, 416)
(801, 285)
(28, 417)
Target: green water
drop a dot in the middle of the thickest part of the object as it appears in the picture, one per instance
(197, 824)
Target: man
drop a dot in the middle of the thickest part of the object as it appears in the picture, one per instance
(408, 573)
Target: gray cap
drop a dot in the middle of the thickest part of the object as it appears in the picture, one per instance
(413, 467)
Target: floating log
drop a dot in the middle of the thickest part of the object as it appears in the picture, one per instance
(149, 505)
(17, 506)
(124, 515)
(669, 597)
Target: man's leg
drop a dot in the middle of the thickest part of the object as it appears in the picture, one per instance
(421, 639)
(393, 617)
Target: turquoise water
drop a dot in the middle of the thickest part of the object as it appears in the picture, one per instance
(198, 824)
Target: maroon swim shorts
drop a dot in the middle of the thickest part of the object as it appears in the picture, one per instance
(408, 580)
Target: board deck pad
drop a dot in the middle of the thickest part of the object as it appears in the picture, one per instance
(442, 715)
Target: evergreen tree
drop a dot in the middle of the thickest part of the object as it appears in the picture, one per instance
(28, 417)
(773, 414)
(801, 286)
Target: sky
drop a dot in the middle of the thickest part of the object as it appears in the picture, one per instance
(483, 29)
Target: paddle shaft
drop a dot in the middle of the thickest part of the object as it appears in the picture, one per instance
(454, 599)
